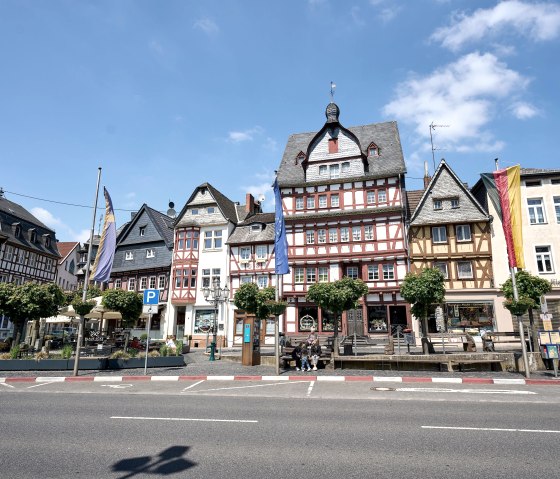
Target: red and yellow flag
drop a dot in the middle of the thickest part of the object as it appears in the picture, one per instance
(504, 190)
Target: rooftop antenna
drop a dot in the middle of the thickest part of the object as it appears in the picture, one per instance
(333, 87)
(497, 163)
(433, 127)
(99, 227)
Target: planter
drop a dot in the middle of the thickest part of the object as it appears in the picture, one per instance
(161, 362)
(18, 365)
(89, 364)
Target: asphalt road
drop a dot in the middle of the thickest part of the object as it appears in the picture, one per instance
(214, 429)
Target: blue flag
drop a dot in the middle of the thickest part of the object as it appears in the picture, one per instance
(101, 270)
(280, 240)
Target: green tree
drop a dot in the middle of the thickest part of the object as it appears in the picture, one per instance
(253, 300)
(337, 297)
(530, 289)
(29, 302)
(128, 303)
(422, 290)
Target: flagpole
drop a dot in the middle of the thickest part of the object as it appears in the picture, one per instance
(86, 277)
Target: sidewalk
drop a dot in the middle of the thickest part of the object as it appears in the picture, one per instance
(198, 365)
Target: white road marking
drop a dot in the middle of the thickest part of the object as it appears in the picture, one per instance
(140, 418)
(310, 388)
(498, 429)
(7, 385)
(116, 386)
(44, 383)
(466, 391)
(193, 385)
(253, 386)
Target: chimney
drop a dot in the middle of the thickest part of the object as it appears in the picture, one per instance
(427, 177)
(249, 204)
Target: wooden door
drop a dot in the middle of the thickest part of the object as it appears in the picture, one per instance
(355, 322)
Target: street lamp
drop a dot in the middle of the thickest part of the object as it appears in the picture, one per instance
(215, 295)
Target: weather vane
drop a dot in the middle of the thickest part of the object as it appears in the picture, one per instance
(333, 86)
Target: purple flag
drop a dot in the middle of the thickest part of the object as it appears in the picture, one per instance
(101, 270)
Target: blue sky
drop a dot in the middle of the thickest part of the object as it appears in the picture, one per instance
(167, 95)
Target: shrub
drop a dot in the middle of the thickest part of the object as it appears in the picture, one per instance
(179, 349)
(5, 356)
(14, 352)
(41, 355)
(163, 350)
(154, 354)
(133, 352)
(66, 352)
(120, 354)
(143, 337)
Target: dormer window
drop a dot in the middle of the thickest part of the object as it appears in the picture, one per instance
(256, 227)
(210, 210)
(438, 205)
(142, 230)
(333, 145)
(16, 228)
(345, 167)
(32, 235)
(323, 170)
(334, 171)
(194, 212)
(150, 253)
(129, 256)
(454, 202)
(47, 241)
(373, 150)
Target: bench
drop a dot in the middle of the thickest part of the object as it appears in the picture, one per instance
(465, 341)
(287, 359)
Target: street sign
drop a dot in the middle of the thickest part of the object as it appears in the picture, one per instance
(150, 308)
(151, 296)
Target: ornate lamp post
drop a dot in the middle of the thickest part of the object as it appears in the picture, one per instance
(215, 295)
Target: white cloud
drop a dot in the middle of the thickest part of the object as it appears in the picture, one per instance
(156, 47)
(537, 21)
(523, 111)
(245, 135)
(46, 217)
(463, 95)
(207, 25)
(387, 9)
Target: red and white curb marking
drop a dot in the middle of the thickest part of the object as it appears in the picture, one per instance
(377, 379)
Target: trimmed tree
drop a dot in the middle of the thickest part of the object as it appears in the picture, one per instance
(29, 302)
(422, 290)
(253, 300)
(336, 298)
(530, 289)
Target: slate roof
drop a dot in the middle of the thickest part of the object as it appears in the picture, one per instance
(446, 184)
(538, 172)
(11, 213)
(385, 135)
(243, 232)
(413, 198)
(226, 206)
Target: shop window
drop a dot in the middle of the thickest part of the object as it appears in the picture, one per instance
(307, 318)
(377, 319)
(203, 321)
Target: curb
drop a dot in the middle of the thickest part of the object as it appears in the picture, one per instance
(377, 379)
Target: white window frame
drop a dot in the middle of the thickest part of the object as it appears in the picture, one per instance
(310, 275)
(463, 233)
(352, 272)
(557, 208)
(299, 275)
(333, 235)
(438, 205)
(373, 272)
(321, 236)
(310, 202)
(261, 252)
(370, 197)
(299, 203)
(213, 239)
(128, 256)
(382, 196)
(323, 203)
(161, 282)
(245, 253)
(150, 253)
(143, 283)
(246, 279)
(439, 229)
(345, 167)
(142, 231)
(118, 283)
(443, 267)
(335, 201)
(131, 286)
(534, 207)
(262, 281)
(454, 203)
(152, 282)
(463, 274)
(344, 234)
(323, 170)
(310, 237)
(334, 171)
(323, 274)
(388, 272)
(356, 233)
(542, 258)
(368, 232)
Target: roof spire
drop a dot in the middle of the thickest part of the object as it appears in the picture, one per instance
(333, 87)
(332, 110)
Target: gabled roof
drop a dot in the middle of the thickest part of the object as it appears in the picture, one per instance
(413, 198)
(446, 184)
(385, 135)
(12, 213)
(162, 223)
(65, 248)
(243, 232)
(226, 206)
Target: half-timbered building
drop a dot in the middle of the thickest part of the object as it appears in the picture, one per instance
(251, 260)
(201, 260)
(450, 230)
(28, 250)
(342, 197)
(143, 261)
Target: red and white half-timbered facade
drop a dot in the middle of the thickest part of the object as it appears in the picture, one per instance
(342, 196)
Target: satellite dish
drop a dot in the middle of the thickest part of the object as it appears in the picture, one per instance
(261, 198)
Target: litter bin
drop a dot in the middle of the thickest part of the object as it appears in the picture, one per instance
(347, 350)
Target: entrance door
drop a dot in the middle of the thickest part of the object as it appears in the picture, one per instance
(397, 315)
(355, 322)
